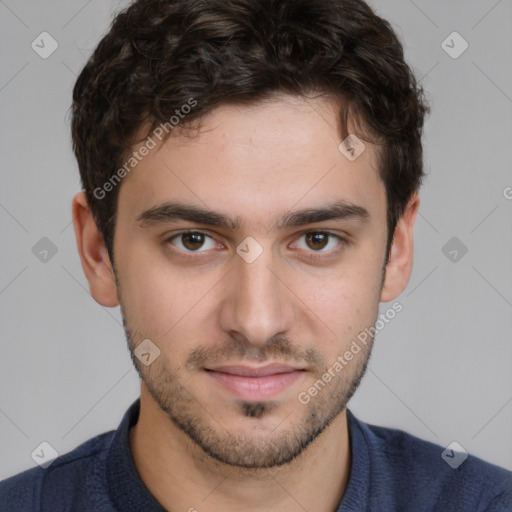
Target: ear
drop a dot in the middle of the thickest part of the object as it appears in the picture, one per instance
(93, 254)
(399, 267)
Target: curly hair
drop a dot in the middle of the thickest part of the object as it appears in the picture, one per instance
(159, 54)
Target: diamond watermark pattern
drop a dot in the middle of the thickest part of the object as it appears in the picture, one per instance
(454, 249)
(44, 250)
(454, 45)
(352, 147)
(147, 352)
(249, 250)
(44, 454)
(44, 45)
(454, 455)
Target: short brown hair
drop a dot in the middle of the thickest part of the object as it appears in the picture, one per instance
(159, 54)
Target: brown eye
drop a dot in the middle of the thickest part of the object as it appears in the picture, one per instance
(322, 242)
(191, 241)
(317, 241)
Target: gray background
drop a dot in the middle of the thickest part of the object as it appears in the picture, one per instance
(441, 370)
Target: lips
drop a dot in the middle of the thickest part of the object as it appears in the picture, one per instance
(255, 383)
(262, 371)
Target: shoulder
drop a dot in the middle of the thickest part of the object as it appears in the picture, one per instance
(420, 471)
(78, 469)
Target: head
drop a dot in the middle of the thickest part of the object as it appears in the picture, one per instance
(222, 211)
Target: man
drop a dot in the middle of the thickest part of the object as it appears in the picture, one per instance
(251, 172)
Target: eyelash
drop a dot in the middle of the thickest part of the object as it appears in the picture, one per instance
(314, 254)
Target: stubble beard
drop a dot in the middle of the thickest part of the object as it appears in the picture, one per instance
(274, 448)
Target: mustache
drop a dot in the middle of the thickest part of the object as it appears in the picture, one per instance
(277, 348)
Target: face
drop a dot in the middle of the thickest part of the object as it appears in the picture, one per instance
(252, 255)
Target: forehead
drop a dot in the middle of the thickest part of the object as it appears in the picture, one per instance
(254, 161)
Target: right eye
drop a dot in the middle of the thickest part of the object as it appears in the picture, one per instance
(191, 241)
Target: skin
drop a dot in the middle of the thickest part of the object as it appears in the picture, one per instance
(299, 302)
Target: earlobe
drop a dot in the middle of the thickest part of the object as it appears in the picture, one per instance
(399, 267)
(93, 254)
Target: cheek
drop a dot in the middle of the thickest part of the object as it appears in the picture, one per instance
(343, 304)
(146, 291)
(160, 299)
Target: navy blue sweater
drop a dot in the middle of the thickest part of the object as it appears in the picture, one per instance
(391, 471)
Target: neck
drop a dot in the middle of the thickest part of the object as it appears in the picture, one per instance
(183, 478)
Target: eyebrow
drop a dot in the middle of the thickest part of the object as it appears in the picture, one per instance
(174, 211)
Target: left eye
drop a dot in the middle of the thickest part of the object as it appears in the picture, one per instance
(319, 240)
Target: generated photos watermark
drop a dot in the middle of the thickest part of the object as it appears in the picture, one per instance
(143, 151)
(343, 360)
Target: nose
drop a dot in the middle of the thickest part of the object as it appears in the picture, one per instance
(257, 303)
